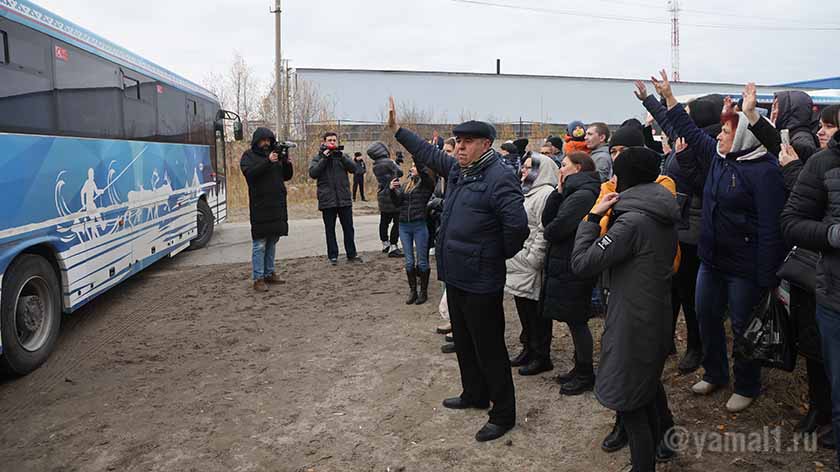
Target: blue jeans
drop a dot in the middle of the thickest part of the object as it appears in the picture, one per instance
(415, 235)
(262, 256)
(829, 324)
(715, 291)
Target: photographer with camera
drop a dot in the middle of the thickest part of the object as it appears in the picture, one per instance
(266, 167)
(330, 168)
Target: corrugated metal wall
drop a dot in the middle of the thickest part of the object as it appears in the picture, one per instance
(451, 97)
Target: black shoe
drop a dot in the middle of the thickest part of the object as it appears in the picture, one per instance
(617, 439)
(355, 260)
(567, 377)
(521, 359)
(448, 348)
(458, 403)
(690, 361)
(423, 286)
(491, 431)
(664, 453)
(812, 421)
(385, 249)
(334, 262)
(411, 276)
(827, 440)
(536, 366)
(449, 338)
(396, 253)
(579, 385)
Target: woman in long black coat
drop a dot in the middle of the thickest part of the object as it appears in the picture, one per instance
(567, 297)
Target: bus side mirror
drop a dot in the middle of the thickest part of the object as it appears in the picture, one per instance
(237, 130)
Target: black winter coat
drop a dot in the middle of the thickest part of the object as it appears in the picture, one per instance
(266, 189)
(811, 209)
(567, 297)
(333, 185)
(385, 171)
(361, 169)
(484, 221)
(638, 253)
(796, 115)
(412, 204)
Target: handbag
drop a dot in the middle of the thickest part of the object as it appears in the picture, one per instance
(769, 338)
(800, 268)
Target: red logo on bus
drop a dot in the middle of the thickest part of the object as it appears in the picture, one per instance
(62, 54)
(160, 89)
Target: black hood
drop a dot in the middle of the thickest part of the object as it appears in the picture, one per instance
(650, 199)
(796, 110)
(582, 181)
(259, 135)
(704, 113)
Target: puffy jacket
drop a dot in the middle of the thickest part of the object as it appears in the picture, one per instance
(567, 297)
(361, 168)
(796, 115)
(484, 221)
(811, 209)
(333, 185)
(525, 269)
(412, 205)
(637, 252)
(742, 201)
(266, 188)
(385, 171)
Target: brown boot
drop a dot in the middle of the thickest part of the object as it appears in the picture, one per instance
(274, 280)
(260, 286)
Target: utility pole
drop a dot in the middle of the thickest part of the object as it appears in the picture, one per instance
(278, 70)
(674, 10)
(288, 94)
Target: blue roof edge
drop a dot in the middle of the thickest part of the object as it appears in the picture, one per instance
(41, 19)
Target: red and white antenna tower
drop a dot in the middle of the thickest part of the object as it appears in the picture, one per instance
(674, 10)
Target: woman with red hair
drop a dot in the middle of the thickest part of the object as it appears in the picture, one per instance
(740, 244)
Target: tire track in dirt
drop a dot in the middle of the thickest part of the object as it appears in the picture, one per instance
(69, 355)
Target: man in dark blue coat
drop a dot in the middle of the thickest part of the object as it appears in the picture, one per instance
(483, 224)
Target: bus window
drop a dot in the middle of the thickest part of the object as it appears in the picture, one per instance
(172, 116)
(138, 106)
(88, 92)
(26, 101)
(220, 154)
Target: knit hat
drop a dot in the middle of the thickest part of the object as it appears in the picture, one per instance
(633, 122)
(576, 130)
(556, 141)
(521, 144)
(510, 148)
(627, 136)
(357, 154)
(634, 166)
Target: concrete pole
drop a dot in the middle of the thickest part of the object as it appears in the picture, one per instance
(278, 71)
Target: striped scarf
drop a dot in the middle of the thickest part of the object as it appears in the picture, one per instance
(478, 165)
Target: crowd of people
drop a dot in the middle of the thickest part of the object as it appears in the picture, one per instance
(698, 221)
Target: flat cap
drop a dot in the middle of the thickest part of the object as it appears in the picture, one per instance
(475, 129)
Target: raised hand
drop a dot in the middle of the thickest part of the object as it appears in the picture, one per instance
(728, 105)
(606, 203)
(750, 102)
(392, 115)
(641, 91)
(787, 155)
(680, 145)
(663, 88)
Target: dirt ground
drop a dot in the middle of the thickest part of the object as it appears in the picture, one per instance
(306, 210)
(190, 371)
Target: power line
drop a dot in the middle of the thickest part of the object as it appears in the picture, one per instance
(645, 20)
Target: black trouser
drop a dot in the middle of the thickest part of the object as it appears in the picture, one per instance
(819, 390)
(646, 427)
(683, 287)
(431, 223)
(345, 216)
(584, 345)
(536, 330)
(359, 184)
(384, 220)
(478, 327)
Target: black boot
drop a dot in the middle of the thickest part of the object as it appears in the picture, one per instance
(690, 361)
(412, 285)
(583, 381)
(568, 376)
(536, 366)
(521, 359)
(664, 453)
(827, 440)
(423, 294)
(812, 420)
(617, 439)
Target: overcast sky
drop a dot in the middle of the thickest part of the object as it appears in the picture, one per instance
(197, 37)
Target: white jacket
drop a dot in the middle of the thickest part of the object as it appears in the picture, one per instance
(525, 269)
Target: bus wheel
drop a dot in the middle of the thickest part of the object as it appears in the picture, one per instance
(30, 314)
(206, 222)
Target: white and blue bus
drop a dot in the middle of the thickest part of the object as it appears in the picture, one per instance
(108, 163)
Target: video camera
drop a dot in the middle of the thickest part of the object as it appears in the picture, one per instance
(332, 149)
(282, 149)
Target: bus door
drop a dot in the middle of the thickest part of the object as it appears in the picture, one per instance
(220, 168)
